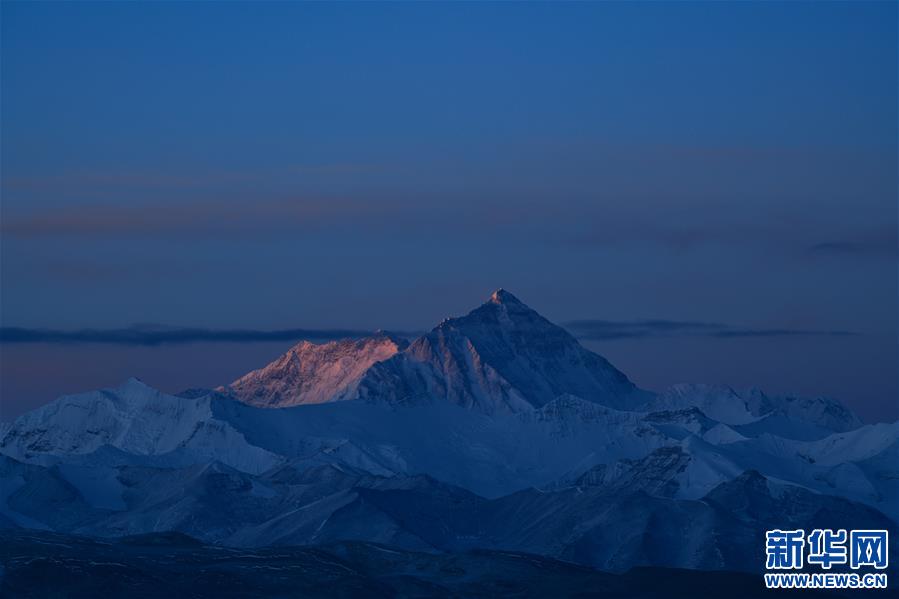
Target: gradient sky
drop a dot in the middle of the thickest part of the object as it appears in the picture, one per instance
(264, 166)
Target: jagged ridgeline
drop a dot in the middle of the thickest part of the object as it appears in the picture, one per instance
(495, 430)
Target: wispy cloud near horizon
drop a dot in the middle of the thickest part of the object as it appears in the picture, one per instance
(186, 219)
(153, 335)
(605, 330)
(594, 330)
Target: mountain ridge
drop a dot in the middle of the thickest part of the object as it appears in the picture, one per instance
(495, 429)
(501, 356)
(314, 373)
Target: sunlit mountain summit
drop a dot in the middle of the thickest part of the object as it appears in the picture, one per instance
(462, 438)
(502, 356)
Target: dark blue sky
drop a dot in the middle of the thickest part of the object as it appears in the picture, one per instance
(287, 165)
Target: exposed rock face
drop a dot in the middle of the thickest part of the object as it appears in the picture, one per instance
(314, 373)
(494, 430)
(501, 357)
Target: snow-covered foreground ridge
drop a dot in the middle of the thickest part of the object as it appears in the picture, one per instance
(498, 417)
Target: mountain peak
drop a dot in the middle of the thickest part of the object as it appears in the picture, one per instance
(315, 373)
(501, 296)
(505, 355)
(500, 356)
(133, 383)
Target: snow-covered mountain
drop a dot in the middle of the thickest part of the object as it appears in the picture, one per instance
(133, 420)
(501, 357)
(759, 412)
(311, 373)
(496, 429)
